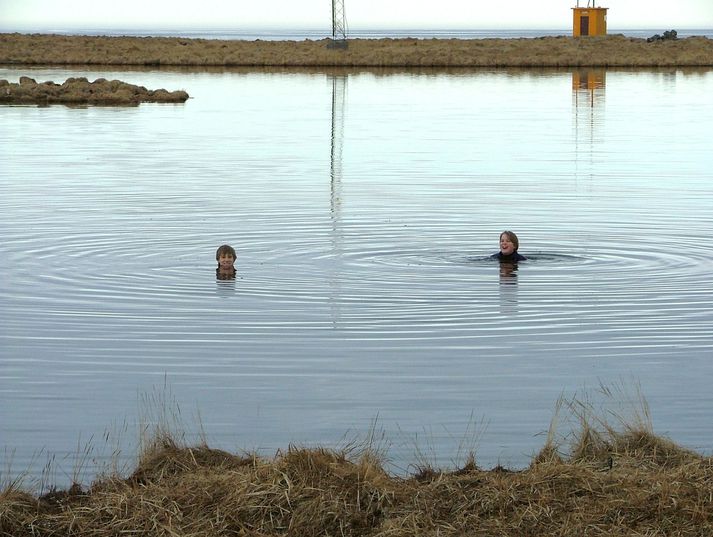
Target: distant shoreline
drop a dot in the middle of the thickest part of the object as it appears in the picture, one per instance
(319, 33)
(548, 51)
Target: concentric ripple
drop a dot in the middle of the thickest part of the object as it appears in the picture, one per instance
(364, 285)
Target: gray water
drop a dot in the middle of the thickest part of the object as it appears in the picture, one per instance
(323, 32)
(363, 207)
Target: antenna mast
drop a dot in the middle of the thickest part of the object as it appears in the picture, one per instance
(339, 25)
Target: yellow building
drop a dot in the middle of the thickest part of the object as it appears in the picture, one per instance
(589, 20)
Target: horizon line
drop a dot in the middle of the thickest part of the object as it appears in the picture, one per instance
(210, 28)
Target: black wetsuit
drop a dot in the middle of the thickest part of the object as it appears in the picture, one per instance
(512, 258)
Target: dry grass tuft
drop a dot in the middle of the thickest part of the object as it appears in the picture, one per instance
(165, 458)
(612, 482)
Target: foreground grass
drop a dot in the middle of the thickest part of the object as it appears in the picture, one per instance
(608, 483)
(563, 51)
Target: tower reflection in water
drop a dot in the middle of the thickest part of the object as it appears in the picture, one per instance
(339, 92)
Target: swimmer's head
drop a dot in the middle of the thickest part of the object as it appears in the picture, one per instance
(225, 256)
(509, 243)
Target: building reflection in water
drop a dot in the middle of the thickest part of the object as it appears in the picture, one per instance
(588, 87)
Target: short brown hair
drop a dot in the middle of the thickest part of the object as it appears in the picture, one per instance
(225, 249)
(513, 238)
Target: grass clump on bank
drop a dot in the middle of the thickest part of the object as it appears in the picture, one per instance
(561, 51)
(79, 91)
(609, 481)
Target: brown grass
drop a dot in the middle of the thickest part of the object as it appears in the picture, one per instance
(562, 51)
(610, 483)
(79, 91)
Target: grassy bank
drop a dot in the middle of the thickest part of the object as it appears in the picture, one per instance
(608, 51)
(607, 482)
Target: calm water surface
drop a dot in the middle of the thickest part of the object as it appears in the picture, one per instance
(363, 206)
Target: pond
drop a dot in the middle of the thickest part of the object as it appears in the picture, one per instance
(364, 206)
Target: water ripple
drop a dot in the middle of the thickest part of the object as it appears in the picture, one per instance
(364, 287)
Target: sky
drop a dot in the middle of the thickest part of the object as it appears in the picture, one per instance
(29, 15)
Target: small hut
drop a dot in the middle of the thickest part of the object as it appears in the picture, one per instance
(590, 20)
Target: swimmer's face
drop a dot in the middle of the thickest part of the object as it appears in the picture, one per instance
(226, 261)
(507, 247)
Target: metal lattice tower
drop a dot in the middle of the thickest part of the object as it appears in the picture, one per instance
(339, 25)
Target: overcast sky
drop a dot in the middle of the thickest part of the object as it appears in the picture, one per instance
(23, 15)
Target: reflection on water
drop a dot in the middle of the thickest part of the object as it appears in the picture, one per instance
(225, 287)
(339, 95)
(508, 288)
(587, 81)
(364, 220)
(339, 90)
(588, 94)
(224, 274)
(508, 273)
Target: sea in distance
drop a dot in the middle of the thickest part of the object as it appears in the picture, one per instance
(364, 206)
(301, 34)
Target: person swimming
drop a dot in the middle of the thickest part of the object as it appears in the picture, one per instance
(225, 256)
(509, 244)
